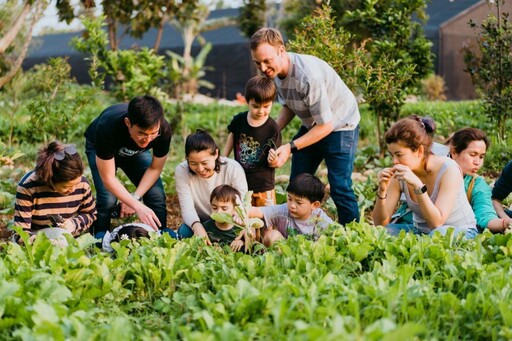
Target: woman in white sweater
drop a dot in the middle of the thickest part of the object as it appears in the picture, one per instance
(196, 177)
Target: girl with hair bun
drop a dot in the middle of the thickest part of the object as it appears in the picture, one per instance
(55, 193)
(433, 185)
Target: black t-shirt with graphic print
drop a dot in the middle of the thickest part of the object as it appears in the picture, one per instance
(250, 148)
(110, 136)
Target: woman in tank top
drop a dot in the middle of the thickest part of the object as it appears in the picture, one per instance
(433, 185)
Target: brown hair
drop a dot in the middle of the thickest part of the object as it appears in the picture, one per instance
(413, 132)
(463, 137)
(225, 193)
(58, 163)
(261, 89)
(266, 35)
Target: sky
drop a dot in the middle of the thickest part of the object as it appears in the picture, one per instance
(51, 20)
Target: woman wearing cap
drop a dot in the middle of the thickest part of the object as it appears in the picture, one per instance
(55, 193)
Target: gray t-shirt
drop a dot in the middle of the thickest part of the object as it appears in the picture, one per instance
(278, 217)
(317, 94)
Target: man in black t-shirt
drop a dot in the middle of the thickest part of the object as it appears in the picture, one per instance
(121, 137)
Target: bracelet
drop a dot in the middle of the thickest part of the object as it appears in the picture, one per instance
(137, 197)
(195, 222)
(503, 224)
(381, 198)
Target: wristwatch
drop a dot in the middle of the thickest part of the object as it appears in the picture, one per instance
(293, 147)
(421, 190)
(137, 197)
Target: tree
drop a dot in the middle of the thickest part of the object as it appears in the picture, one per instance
(127, 17)
(16, 34)
(385, 68)
(294, 11)
(191, 19)
(490, 67)
(318, 36)
(398, 54)
(252, 16)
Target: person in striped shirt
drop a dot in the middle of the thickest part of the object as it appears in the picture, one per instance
(55, 193)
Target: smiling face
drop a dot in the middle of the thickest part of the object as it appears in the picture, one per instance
(471, 159)
(405, 156)
(270, 60)
(67, 187)
(142, 137)
(202, 163)
(300, 208)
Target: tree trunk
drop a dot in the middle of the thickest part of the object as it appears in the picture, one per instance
(112, 33)
(7, 40)
(159, 34)
(17, 64)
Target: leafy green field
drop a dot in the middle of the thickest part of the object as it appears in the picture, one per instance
(353, 283)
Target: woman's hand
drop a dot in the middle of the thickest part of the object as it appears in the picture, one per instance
(384, 177)
(199, 231)
(404, 173)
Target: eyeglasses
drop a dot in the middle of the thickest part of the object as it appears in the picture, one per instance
(143, 136)
(70, 149)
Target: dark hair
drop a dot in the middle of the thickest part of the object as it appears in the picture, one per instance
(199, 141)
(266, 35)
(145, 112)
(307, 186)
(58, 163)
(132, 231)
(225, 193)
(261, 89)
(413, 132)
(463, 137)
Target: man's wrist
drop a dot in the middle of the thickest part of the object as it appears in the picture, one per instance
(293, 147)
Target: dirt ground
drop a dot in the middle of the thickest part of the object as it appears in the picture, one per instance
(173, 217)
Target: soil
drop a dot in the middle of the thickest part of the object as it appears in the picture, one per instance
(173, 217)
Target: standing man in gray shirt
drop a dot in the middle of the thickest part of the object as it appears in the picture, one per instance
(310, 89)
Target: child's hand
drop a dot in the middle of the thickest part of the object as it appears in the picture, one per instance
(238, 220)
(272, 158)
(69, 226)
(236, 245)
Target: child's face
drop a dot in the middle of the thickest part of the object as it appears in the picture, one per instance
(222, 206)
(300, 208)
(259, 111)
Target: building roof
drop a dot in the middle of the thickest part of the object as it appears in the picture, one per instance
(440, 11)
